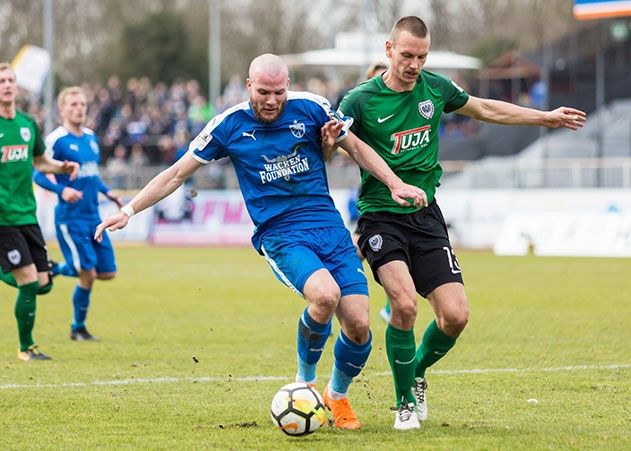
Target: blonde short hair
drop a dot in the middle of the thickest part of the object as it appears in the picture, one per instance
(68, 91)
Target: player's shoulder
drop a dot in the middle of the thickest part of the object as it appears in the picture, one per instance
(364, 91)
(434, 79)
(88, 131)
(54, 136)
(308, 99)
(25, 117)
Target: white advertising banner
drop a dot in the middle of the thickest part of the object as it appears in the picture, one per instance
(488, 218)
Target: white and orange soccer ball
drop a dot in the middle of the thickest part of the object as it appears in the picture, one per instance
(298, 409)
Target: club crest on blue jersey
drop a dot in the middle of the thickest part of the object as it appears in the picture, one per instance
(426, 109)
(297, 129)
(25, 133)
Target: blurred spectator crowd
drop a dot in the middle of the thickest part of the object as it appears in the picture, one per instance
(142, 126)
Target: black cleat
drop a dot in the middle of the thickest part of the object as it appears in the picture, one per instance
(53, 269)
(32, 353)
(82, 334)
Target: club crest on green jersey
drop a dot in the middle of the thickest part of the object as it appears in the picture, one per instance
(25, 133)
(426, 109)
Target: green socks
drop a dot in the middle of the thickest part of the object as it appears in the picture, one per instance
(25, 313)
(8, 278)
(434, 346)
(400, 347)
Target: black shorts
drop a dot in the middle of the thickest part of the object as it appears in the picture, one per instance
(22, 245)
(419, 239)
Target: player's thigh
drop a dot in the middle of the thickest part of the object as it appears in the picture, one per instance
(340, 258)
(450, 302)
(76, 244)
(291, 261)
(382, 241)
(105, 257)
(21, 246)
(433, 260)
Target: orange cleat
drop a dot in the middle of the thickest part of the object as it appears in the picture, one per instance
(344, 416)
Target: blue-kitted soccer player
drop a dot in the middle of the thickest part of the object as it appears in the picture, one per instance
(77, 212)
(277, 142)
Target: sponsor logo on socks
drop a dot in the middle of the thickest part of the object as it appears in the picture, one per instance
(355, 366)
(397, 361)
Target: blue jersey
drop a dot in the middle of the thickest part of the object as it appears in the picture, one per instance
(279, 165)
(85, 151)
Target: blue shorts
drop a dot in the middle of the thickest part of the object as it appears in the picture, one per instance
(81, 251)
(295, 255)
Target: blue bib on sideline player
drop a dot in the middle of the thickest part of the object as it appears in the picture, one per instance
(280, 166)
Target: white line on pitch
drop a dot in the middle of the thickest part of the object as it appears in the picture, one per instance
(168, 380)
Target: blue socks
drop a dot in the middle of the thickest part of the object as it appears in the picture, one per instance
(64, 269)
(311, 339)
(80, 302)
(350, 359)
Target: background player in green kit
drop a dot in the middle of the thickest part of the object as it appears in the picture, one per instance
(408, 248)
(23, 256)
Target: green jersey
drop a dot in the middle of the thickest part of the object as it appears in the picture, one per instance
(402, 127)
(20, 140)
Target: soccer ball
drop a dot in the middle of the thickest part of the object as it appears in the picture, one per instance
(298, 409)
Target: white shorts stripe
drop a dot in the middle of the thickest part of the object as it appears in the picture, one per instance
(277, 270)
(76, 262)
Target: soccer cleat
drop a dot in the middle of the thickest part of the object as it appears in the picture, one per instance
(32, 353)
(82, 334)
(419, 388)
(53, 268)
(384, 313)
(404, 417)
(344, 416)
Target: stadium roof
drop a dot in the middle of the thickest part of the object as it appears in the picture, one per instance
(437, 59)
(357, 50)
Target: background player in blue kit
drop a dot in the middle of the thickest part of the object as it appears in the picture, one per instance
(77, 213)
(276, 143)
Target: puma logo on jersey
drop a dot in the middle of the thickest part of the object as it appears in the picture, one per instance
(384, 119)
(249, 135)
(410, 139)
(14, 153)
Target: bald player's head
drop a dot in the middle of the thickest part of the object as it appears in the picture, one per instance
(268, 65)
(267, 83)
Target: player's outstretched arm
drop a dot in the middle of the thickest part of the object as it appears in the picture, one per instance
(44, 163)
(402, 193)
(157, 189)
(330, 131)
(498, 112)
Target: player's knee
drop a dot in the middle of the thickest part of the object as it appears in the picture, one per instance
(404, 310)
(326, 300)
(106, 275)
(454, 322)
(357, 329)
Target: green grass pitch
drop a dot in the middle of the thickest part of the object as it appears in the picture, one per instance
(195, 342)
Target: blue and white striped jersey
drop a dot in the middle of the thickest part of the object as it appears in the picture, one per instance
(279, 165)
(84, 149)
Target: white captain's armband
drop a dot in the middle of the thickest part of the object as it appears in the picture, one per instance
(348, 121)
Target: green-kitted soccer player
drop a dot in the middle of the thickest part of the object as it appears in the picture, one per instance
(398, 115)
(23, 256)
